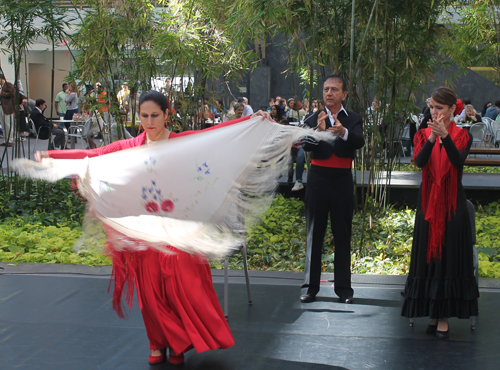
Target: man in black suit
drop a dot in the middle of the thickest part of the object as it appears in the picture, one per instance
(330, 190)
(40, 121)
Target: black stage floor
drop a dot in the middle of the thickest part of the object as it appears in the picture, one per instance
(60, 317)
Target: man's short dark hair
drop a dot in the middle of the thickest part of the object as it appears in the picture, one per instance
(39, 102)
(241, 99)
(64, 84)
(338, 79)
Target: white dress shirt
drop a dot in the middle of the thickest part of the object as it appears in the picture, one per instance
(333, 120)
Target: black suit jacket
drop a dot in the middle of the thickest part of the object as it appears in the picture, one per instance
(353, 122)
(40, 121)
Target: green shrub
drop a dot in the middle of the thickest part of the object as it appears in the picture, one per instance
(21, 241)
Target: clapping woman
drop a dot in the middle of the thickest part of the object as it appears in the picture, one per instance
(441, 282)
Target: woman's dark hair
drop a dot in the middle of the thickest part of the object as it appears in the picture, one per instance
(279, 113)
(444, 95)
(239, 105)
(156, 97)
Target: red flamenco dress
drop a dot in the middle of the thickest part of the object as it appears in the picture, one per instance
(175, 292)
(441, 282)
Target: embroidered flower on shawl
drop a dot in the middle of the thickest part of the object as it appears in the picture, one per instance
(150, 163)
(167, 205)
(154, 200)
(152, 207)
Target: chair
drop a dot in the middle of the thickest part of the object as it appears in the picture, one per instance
(81, 131)
(490, 135)
(243, 248)
(478, 132)
(226, 278)
(472, 219)
(37, 135)
(495, 133)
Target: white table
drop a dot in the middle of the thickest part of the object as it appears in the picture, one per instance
(71, 123)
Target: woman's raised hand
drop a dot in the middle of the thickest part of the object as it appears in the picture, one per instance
(437, 127)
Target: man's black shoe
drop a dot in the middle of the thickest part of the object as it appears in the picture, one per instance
(348, 300)
(307, 298)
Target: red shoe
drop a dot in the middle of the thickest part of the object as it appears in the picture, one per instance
(155, 360)
(176, 359)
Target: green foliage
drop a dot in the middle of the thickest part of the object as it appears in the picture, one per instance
(488, 235)
(41, 202)
(473, 34)
(278, 241)
(468, 169)
(22, 241)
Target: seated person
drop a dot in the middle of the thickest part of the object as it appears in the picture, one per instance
(295, 112)
(493, 111)
(470, 115)
(41, 122)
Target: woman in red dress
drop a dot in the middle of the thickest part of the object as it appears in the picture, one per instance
(175, 292)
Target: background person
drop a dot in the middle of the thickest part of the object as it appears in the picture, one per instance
(238, 111)
(60, 104)
(441, 282)
(493, 110)
(330, 190)
(71, 102)
(486, 106)
(7, 111)
(470, 115)
(247, 108)
(43, 125)
(277, 115)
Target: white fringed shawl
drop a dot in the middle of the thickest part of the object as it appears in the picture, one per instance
(197, 193)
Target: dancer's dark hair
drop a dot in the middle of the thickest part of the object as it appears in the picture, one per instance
(156, 97)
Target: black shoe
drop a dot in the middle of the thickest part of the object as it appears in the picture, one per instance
(443, 334)
(307, 298)
(348, 300)
(431, 329)
(6, 144)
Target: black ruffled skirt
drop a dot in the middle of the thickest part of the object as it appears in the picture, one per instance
(446, 286)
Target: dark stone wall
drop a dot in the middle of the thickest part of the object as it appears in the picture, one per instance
(466, 85)
(269, 79)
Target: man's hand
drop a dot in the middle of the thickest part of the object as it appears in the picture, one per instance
(262, 114)
(337, 128)
(322, 121)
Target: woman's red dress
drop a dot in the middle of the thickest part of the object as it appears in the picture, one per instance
(175, 292)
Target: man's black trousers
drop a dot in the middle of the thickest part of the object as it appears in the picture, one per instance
(329, 192)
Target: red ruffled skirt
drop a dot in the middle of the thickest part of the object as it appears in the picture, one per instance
(176, 296)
